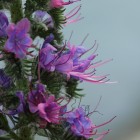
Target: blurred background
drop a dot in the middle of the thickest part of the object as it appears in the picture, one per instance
(115, 24)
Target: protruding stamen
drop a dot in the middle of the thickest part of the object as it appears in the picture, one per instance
(105, 122)
(84, 39)
(73, 12)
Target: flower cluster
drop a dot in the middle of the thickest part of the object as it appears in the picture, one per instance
(18, 40)
(49, 110)
(39, 80)
(46, 106)
(69, 62)
(81, 125)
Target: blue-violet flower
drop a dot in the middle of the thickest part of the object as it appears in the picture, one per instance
(18, 40)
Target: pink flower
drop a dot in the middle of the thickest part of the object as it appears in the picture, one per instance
(69, 62)
(35, 97)
(70, 17)
(50, 110)
(81, 125)
(61, 3)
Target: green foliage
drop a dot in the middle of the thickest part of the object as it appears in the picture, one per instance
(26, 132)
(53, 80)
(33, 5)
(55, 131)
(16, 10)
(71, 88)
(38, 29)
(58, 36)
(19, 70)
(9, 101)
(5, 4)
(4, 123)
(58, 16)
(15, 69)
(13, 66)
(30, 7)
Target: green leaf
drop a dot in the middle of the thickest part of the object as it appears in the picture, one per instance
(16, 10)
(4, 123)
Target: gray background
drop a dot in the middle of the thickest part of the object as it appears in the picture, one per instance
(115, 24)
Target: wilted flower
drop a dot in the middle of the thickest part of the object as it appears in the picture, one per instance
(50, 110)
(5, 81)
(44, 18)
(18, 40)
(3, 24)
(36, 97)
(61, 3)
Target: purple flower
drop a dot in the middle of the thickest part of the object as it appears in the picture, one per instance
(22, 104)
(18, 40)
(50, 110)
(5, 81)
(48, 39)
(35, 97)
(45, 106)
(70, 63)
(47, 56)
(3, 24)
(43, 17)
(80, 125)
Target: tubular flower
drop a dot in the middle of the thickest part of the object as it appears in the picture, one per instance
(50, 110)
(80, 125)
(18, 40)
(35, 97)
(3, 24)
(44, 18)
(70, 63)
(60, 3)
(47, 54)
(45, 106)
